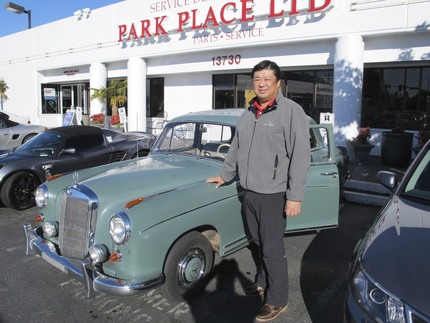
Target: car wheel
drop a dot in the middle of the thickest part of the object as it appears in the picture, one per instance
(18, 190)
(28, 137)
(188, 264)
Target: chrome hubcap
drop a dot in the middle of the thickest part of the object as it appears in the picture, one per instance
(191, 268)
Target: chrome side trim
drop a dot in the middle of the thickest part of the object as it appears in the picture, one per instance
(92, 279)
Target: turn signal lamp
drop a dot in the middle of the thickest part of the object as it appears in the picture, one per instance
(39, 218)
(115, 257)
(135, 202)
(51, 178)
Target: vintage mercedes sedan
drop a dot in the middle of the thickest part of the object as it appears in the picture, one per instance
(153, 221)
(389, 275)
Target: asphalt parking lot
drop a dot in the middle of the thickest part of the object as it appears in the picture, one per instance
(33, 291)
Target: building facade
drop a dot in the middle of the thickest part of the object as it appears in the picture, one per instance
(365, 61)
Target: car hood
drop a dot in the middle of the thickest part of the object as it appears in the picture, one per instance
(148, 176)
(10, 157)
(397, 252)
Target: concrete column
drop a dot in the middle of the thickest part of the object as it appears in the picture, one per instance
(136, 95)
(98, 79)
(347, 90)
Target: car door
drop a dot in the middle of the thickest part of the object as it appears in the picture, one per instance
(88, 152)
(5, 135)
(320, 207)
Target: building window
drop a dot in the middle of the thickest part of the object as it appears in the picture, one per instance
(224, 91)
(244, 90)
(58, 98)
(154, 97)
(313, 90)
(396, 98)
(392, 97)
(50, 98)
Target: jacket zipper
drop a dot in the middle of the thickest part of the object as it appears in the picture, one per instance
(275, 166)
(249, 152)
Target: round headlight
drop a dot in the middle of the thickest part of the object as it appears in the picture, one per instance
(120, 228)
(98, 253)
(41, 196)
(50, 229)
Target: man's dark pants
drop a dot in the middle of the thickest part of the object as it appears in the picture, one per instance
(266, 221)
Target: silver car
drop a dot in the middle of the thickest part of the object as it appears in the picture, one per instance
(389, 276)
(13, 134)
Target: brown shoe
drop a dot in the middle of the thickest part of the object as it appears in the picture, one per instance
(269, 312)
(253, 290)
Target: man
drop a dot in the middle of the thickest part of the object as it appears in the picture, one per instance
(271, 154)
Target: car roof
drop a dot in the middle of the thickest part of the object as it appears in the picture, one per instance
(226, 116)
(73, 131)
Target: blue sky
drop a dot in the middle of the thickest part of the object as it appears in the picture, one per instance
(43, 12)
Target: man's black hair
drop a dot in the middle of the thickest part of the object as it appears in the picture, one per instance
(267, 65)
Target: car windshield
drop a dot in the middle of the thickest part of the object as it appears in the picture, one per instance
(418, 184)
(46, 144)
(200, 139)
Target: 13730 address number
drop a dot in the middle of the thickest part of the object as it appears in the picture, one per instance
(226, 60)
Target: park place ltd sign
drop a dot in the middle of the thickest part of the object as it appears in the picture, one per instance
(224, 15)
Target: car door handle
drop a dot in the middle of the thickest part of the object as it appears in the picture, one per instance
(334, 174)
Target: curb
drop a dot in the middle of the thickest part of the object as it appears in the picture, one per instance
(365, 193)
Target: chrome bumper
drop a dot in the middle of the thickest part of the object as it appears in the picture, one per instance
(93, 280)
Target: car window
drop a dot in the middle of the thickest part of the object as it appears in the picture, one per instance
(45, 144)
(202, 139)
(213, 140)
(2, 124)
(179, 137)
(419, 182)
(319, 145)
(216, 133)
(83, 142)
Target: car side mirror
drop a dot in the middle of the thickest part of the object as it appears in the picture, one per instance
(69, 151)
(387, 179)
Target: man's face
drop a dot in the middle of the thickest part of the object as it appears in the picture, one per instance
(265, 85)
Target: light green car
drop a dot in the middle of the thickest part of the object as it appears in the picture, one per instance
(134, 225)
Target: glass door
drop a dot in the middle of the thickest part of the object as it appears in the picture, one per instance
(72, 96)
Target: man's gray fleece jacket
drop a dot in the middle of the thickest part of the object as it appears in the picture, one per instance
(271, 154)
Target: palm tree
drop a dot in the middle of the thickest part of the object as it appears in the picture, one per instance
(3, 96)
(115, 92)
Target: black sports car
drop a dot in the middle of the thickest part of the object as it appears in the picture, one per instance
(61, 150)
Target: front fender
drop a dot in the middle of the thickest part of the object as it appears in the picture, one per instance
(157, 225)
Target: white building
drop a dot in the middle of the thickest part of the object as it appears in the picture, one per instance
(367, 61)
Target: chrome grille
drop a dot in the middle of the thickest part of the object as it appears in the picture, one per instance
(77, 221)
